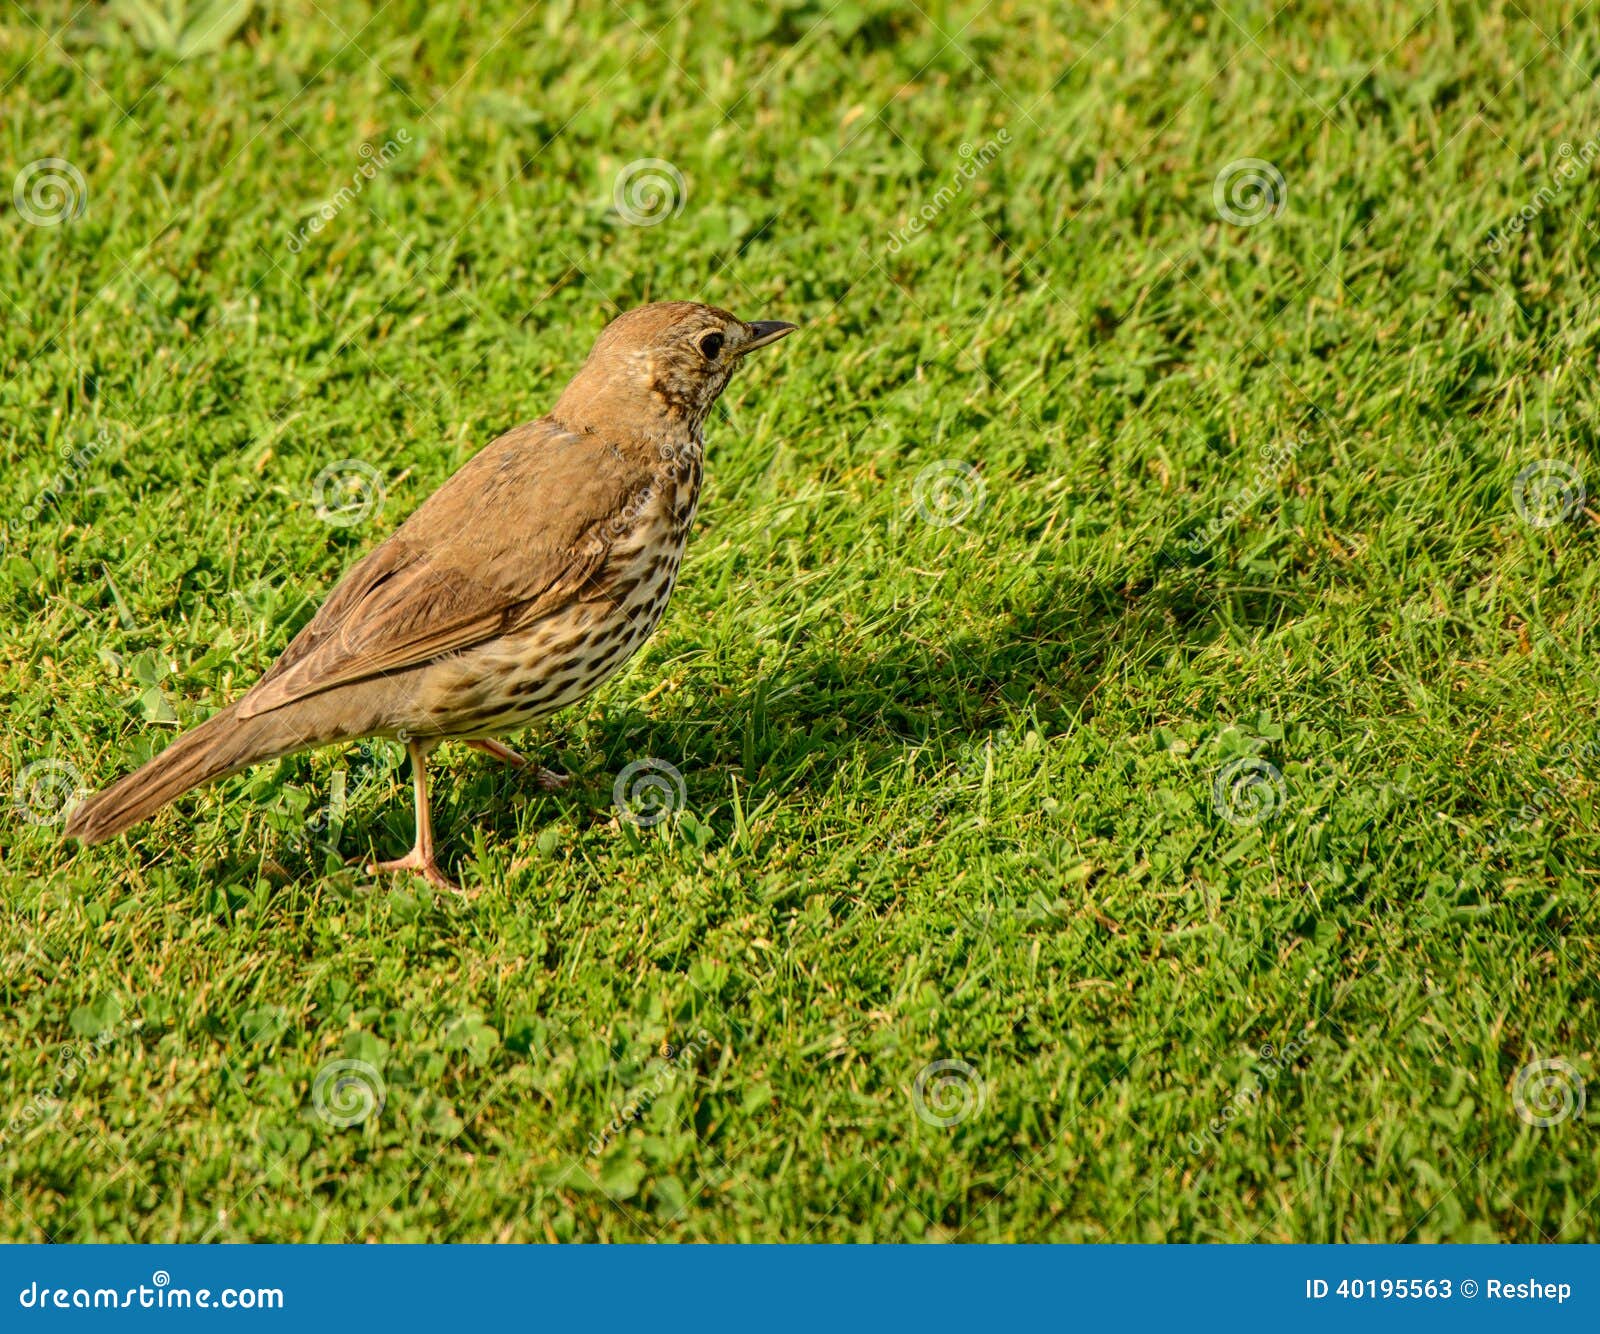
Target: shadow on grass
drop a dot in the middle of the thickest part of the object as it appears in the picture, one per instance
(828, 707)
(1044, 658)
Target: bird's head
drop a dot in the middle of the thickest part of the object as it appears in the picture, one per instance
(661, 367)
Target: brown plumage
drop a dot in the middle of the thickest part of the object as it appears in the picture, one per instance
(520, 585)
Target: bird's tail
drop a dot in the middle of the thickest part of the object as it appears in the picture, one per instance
(221, 745)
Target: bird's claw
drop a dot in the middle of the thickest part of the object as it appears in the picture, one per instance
(426, 867)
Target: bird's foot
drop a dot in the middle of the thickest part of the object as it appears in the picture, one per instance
(548, 779)
(423, 864)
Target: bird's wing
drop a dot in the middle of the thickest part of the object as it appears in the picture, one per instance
(520, 529)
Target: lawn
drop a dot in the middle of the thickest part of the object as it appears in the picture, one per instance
(1131, 682)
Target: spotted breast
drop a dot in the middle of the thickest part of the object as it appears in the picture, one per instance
(523, 677)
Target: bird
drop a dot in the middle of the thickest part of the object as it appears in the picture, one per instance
(517, 588)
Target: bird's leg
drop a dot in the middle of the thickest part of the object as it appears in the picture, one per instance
(547, 779)
(420, 858)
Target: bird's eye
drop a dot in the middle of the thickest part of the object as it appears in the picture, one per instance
(710, 345)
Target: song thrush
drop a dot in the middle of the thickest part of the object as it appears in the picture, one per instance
(520, 585)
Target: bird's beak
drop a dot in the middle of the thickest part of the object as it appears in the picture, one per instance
(767, 331)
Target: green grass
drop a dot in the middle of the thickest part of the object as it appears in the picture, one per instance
(951, 790)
